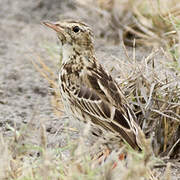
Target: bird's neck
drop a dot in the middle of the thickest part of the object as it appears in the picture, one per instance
(69, 52)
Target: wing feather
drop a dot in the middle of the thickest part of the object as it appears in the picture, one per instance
(100, 97)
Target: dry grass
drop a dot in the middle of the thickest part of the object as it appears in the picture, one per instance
(152, 88)
(38, 162)
(153, 23)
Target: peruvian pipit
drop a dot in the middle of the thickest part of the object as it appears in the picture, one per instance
(88, 92)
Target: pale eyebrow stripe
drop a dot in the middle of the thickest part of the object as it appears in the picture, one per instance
(77, 22)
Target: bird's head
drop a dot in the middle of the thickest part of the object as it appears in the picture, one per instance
(74, 33)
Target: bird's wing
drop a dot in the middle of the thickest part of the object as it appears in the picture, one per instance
(100, 97)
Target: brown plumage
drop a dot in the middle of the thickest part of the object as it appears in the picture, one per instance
(89, 93)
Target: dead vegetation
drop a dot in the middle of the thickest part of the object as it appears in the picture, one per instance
(154, 91)
(151, 86)
(152, 23)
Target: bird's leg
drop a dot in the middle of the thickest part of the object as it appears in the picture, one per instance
(121, 157)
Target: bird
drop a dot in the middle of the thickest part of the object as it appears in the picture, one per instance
(89, 93)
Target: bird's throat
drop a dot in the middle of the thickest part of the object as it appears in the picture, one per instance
(67, 53)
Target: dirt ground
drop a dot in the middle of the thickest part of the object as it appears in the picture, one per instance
(24, 93)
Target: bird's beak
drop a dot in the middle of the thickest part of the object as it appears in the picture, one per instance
(52, 26)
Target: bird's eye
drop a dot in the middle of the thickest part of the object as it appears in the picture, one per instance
(76, 29)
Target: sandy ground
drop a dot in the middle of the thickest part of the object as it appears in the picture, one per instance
(24, 93)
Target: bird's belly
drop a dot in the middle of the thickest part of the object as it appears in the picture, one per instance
(71, 109)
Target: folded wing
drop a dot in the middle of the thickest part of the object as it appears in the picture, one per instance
(102, 99)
